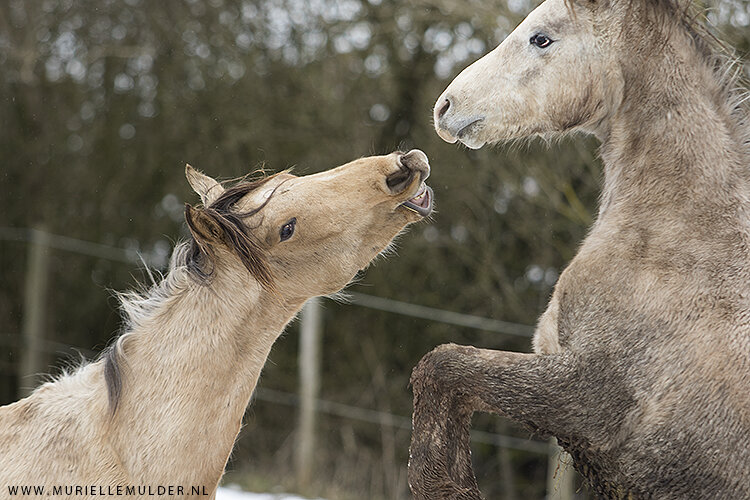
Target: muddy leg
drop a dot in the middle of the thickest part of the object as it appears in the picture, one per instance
(452, 382)
(439, 455)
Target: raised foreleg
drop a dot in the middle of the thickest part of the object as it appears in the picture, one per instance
(452, 382)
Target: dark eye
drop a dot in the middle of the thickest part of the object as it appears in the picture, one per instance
(287, 230)
(540, 40)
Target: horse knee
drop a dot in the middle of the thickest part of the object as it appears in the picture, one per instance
(443, 370)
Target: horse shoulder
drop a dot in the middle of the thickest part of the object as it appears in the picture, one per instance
(58, 433)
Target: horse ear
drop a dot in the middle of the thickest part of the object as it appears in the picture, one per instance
(203, 227)
(207, 188)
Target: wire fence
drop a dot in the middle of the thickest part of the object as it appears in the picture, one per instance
(323, 406)
(68, 244)
(327, 407)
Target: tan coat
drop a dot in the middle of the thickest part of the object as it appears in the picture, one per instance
(164, 406)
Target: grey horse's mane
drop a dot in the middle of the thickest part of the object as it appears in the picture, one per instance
(691, 16)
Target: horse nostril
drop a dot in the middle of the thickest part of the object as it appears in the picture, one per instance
(400, 180)
(443, 108)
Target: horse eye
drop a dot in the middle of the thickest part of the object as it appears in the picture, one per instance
(287, 230)
(540, 40)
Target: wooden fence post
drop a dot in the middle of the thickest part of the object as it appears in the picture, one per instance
(34, 311)
(309, 388)
(560, 473)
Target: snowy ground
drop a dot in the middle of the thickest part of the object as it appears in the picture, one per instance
(232, 492)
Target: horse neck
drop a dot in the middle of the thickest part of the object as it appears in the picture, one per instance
(673, 141)
(189, 372)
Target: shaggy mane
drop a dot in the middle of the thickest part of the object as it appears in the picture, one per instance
(235, 234)
(727, 67)
(691, 17)
(190, 261)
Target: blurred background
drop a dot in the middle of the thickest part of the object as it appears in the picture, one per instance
(103, 102)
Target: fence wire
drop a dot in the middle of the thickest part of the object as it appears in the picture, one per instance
(132, 256)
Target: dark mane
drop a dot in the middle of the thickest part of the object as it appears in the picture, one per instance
(235, 234)
(198, 263)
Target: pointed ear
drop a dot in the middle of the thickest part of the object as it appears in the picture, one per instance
(203, 227)
(207, 188)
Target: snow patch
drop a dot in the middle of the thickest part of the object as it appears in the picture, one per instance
(233, 492)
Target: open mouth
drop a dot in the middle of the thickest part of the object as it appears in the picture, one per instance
(422, 202)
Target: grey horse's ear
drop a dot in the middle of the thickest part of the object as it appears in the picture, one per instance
(207, 188)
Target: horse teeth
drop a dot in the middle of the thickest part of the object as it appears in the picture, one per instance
(420, 194)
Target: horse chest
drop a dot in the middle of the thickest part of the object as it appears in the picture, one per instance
(593, 300)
